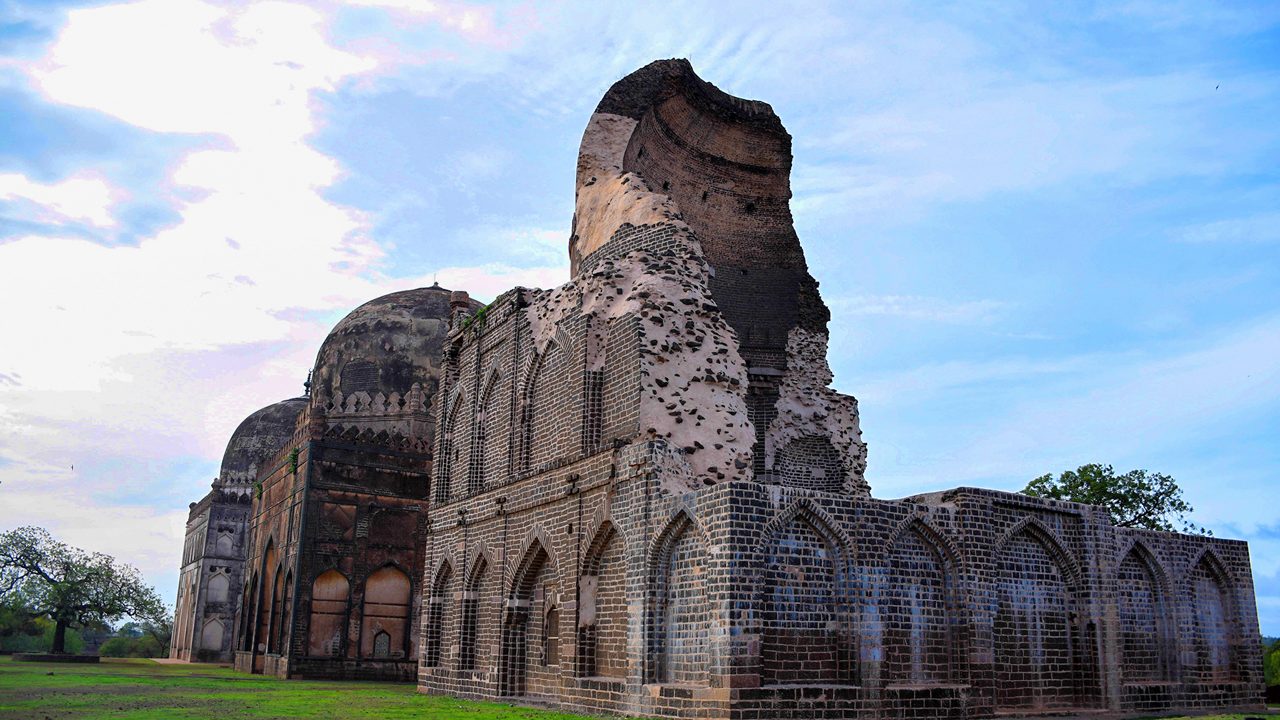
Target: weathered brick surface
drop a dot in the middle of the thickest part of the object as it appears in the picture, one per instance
(591, 559)
(637, 493)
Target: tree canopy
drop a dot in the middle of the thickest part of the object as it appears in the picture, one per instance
(1138, 498)
(71, 587)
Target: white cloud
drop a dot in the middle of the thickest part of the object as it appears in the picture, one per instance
(79, 199)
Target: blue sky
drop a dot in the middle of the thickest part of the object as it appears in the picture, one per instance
(1048, 235)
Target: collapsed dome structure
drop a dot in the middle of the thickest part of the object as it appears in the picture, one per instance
(649, 500)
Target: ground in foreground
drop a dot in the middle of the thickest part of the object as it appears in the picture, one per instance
(146, 690)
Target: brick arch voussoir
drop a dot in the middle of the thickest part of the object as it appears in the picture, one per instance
(681, 521)
(1038, 531)
(935, 538)
(1210, 560)
(535, 541)
(603, 531)
(1159, 573)
(445, 568)
(827, 527)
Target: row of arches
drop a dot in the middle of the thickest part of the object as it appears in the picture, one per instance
(385, 612)
(1044, 655)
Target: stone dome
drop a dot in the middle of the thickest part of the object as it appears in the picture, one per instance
(386, 345)
(258, 438)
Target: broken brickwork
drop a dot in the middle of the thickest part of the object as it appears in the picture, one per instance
(647, 499)
(638, 493)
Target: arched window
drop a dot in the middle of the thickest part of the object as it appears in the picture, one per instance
(437, 609)
(476, 600)
(534, 592)
(603, 611)
(382, 645)
(330, 595)
(546, 439)
(387, 595)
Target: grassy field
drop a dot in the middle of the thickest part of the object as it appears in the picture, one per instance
(142, 689)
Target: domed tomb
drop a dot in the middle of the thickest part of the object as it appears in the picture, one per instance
(256, 439)
(380, 365)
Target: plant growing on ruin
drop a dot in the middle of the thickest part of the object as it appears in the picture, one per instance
(71, 587)
(293, 465)
(1138, 498)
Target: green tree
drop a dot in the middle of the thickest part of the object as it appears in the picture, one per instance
(1138, 498)
(1271, 662)
(70, 587)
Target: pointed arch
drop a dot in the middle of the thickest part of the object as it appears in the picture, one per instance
(211, 635)
(437, 608)
(1036, 529)
(831, 530)
(1213, 619)
(918, 604)
(535, 540)
(805, 621)
(543, 389)
(388, 593)
(479, 458)
(678, 617)
(532, 600)
(1038, 663)
(602, 604)
(219, 588)
(1142, 605)
(449, 466)
(330, 608)
(475, 591)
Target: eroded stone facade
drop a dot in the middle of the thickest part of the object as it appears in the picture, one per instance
(647, 499)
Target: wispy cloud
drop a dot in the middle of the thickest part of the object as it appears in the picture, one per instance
(1260, 228)
(918, 307)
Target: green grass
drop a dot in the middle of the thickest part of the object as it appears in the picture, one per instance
(146, 690)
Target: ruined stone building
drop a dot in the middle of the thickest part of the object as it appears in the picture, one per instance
(217, 538)
(647, 499)
(637, 492)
